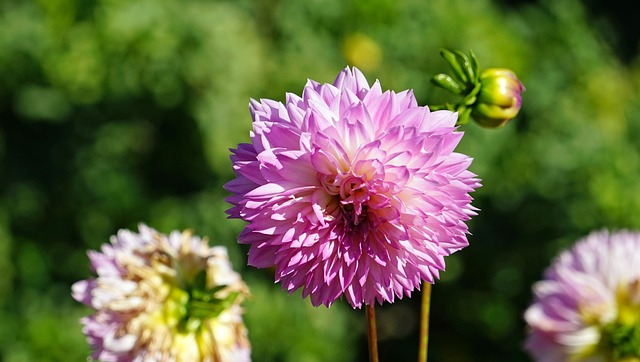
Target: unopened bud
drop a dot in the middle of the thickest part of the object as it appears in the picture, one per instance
(499, 99)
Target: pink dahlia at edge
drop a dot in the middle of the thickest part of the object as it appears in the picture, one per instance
(351, 191)
(587, 307)
(163, 297)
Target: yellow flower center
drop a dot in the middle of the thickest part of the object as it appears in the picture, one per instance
(620, 340)
(181, 304)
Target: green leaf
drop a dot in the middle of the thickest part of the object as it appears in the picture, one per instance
(471, 97)
(448, 83)
(451, 58)
(467, 67)
(200, 281)
(463, 115)
(474, 65)
(439, 107)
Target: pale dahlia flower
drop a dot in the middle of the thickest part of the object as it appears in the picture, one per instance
(587, 307)
(163, 298)
(351, 191)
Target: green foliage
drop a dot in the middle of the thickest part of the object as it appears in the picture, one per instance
(296, 331)
(116, 112)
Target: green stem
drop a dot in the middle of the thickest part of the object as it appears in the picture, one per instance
(372, 334)
(424, 322)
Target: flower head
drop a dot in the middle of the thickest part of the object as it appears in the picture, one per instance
(587, 308)
(499, 99)
(348, 190)
(163, 298)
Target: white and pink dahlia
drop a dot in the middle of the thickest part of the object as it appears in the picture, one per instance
(349, 190)
(587, 307)
(163, 298)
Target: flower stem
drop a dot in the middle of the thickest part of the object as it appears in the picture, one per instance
(372, 334)
(424, 322)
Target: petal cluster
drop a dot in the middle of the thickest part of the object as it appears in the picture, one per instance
(351, 191)
(587, 307)
(163, 298)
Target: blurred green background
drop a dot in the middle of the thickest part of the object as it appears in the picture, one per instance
(116, 112)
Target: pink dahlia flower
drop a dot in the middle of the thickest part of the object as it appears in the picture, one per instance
(587, 307)
(349, 190)
(163, 298)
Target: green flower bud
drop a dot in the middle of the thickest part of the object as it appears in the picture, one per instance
(499, 99)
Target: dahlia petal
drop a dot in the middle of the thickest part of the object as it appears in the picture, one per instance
(269, 190)
(355, 134)
(239, 185)
(379, 106)
(347, 274)
(103, 264)
(82, 290)
(322, 162)
(406, 99)
(119, 344)
(441, 119)
(397, 175)
(352, 80)
(413, 117)
(262, 257)
(369, 155)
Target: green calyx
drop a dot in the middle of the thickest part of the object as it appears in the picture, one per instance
(622, 340)
(465, 82)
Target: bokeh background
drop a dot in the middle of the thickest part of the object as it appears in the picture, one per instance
(115, 112)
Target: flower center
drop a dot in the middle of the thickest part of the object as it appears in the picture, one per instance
(622, 336)
(203, 303)
(622, 340)
(189, 301)
(352, 217)
(353, 193)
